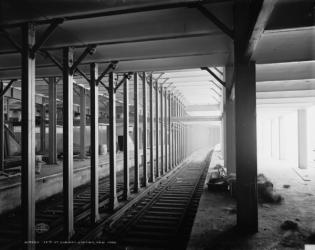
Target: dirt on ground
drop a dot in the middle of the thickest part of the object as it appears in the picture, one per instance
(289, 224)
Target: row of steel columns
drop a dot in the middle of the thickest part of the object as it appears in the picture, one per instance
(169, 143)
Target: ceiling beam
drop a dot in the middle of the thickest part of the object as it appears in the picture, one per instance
(262, 18)
(197, 119)
(192, 108)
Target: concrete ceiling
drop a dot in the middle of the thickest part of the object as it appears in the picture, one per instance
(172, 37)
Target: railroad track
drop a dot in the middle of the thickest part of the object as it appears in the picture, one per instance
(163, 218)
(50, 212)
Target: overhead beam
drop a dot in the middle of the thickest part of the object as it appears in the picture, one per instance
(192, 108)
(94, 11)
(208, 14)
(196, 119)
(262, 18)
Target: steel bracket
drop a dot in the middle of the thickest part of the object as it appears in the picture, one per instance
(208, 14)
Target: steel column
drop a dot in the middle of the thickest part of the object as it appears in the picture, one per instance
(152, 177)
(95, 216)
(174, 132)
(157, 130)
(42, 128)
(1, 129)
(126, 140)
(28, 136)
(144, 96)
(82, 121)
(68, 142)
(162, 131)
(166, 131)
(136, 134)
(245, 121)
(113, 202)
(52, 106)
(169, 133)
(180, 132)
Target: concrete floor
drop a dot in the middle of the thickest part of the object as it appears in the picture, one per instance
(214, 223)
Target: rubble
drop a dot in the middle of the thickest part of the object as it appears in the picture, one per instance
(289, 225)
(266, 193)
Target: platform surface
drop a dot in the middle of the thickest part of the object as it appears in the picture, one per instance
(214, 224)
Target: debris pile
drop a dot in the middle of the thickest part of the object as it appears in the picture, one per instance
(266, 193)
(220, 181)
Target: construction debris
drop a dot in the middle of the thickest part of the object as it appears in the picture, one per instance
(289, 225)
(266, 193)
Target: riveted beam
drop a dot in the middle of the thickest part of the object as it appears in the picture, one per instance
(152, 177)
(45, 36)
(95, 216)
(144, 129)
(136, 134)
(162, 129)
(245, 121)
(1, 129)
(208, 14)
(113, 201)
(28, 137)
(68, 143)
(126, 140)
(157, 172)
(82, 121)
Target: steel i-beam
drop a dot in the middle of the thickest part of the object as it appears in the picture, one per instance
(68, 142)
(144, 163)
(95, 216)
(166, 131)
(1, 129)
(162, 131)
(113, 202)
(245, 121)
(28, 136)
(157, 139)
(169, 132)
(126, 140)
(152, 177)
(52, 106)
(82, 122)
(136, 134)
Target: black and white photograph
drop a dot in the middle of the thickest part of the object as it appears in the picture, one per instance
(157, 124)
